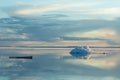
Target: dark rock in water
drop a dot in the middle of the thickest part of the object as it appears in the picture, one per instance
(20, 57)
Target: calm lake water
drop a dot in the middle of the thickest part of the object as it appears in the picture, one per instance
(57, 65)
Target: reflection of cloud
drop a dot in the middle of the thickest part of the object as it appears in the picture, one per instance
(103, 64)
(5, 62)
(109, 61)
(54, 67)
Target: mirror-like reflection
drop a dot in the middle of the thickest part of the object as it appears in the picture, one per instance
(57, 64)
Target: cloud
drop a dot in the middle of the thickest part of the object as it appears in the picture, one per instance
(13, 37)
(6, 30)
(4, 78)
(113, 11)
(99, 11)
(49, 28)
(53, 7)
(99, 33)
(8, 33)
(80, 38)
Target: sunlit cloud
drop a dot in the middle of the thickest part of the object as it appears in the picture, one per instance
(94, 14)
(113, 11)
(9, 33)
(7, 30)
(60, 43)
(48, 8)
(102, 11)
(100, 33)
(12, 36)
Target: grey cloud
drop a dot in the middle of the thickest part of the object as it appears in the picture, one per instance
(49, 27)
(89, 39)
(81, 38)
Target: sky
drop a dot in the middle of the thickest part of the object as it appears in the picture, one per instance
(57, 22)
(61, 23)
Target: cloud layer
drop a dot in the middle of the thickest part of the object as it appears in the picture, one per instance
(50, 28)
(43, 9)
